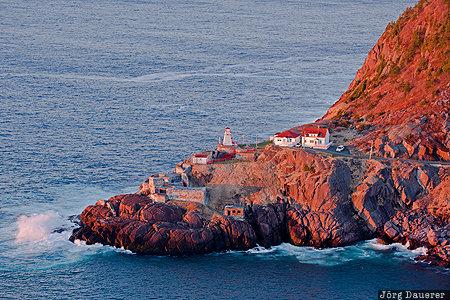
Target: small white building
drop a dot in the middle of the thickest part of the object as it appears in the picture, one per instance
(316, 138)
(286, 138)
(201, 158)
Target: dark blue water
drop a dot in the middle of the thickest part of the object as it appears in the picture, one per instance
(97, 95)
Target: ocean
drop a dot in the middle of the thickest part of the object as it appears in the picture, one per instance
(97, 95)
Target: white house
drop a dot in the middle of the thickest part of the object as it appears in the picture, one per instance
(286, 138)
(316, 138)
(201, 158)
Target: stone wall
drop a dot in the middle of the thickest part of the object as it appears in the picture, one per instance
(197, 194)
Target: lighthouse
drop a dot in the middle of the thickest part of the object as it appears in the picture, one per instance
(227, 141)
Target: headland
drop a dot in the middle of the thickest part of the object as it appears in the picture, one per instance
(390, 182)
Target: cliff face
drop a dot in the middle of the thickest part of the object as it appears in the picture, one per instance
(309, 199)
(401, 96)
(289, 195)
(297, 196)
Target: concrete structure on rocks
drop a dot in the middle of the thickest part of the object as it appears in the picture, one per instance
(171, 187)
(234, 210)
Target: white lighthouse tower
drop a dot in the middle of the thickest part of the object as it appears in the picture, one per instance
(227, 141)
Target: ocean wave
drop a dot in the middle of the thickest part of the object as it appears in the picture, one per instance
(340, 255)
(165, 76)
(37, 226)
(100, 248)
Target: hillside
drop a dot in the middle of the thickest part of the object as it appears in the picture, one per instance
(400, 97)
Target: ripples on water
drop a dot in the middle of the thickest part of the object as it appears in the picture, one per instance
(95, 96)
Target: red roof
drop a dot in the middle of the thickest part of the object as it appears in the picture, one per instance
(287, 134)
(201, 155)
(320, 132)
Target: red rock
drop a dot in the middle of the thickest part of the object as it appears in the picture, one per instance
(157, 228)
(402, 88)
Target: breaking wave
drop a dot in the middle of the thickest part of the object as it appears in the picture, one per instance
(37, 226)
(340, 255)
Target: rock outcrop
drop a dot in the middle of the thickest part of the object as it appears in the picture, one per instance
(426, 224)
(136, 223)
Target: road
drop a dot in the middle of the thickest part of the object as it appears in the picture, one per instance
(346, 153)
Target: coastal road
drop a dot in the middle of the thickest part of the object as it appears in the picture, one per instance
(346, 153)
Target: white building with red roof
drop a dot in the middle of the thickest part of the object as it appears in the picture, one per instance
(316, 137)
(201, 158)
(286, 138)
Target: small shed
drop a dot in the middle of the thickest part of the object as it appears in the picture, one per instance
(201, 158)
(234, 210)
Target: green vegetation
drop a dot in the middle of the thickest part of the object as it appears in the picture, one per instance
(381, 67)
(309, 169)
(379, 77)
(406, 88)
(396, 27)
(420, 5)
(417, 40)
(261, 145)
(340, 114)
(423, 65)
(439, 40)
(446, 67)
(424, 102)
(429, 83)
(371, 105)
(359, 91)
(361, 127)
(379, 96)
(346, 123)
(381, 113)
(394, 71)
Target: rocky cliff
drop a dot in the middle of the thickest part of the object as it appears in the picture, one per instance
(309, 199)
(400, 97)
(136, 223)
(290, 195)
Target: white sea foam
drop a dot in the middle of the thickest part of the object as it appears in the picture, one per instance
(340, 255)
(37, 226)
(251, 72)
